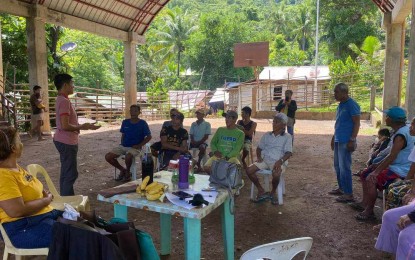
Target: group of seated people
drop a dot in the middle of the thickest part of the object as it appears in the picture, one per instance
(391, 167)
(227, 143)
(25, 210)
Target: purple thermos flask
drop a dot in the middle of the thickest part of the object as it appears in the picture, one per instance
(183, 172)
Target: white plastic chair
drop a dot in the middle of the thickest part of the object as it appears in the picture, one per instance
(280, 250)
(267, 175)
(79, 202)
(19, 252)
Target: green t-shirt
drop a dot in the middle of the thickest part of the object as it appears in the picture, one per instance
(229, 142)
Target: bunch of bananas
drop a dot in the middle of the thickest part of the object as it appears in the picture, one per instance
(153, 191)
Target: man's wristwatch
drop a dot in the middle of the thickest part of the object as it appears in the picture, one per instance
(352, 139)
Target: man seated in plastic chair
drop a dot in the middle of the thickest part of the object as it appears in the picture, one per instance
(227, 142)
(156, 147)
(135, 134)
(174, 140)
(199, 133)
(273, 150)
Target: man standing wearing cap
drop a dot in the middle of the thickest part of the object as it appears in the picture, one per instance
(199, 133)
(343, 142)
(227, 142)
(395, 165)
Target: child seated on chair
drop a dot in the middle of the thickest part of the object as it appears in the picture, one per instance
(25, 210)
(379, 145)
(135, 134)
(199, 133)
(248, 127)
(273, 150)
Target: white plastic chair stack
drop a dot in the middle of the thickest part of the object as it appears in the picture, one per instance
(18, 252)
(267, 175)
(280, 250)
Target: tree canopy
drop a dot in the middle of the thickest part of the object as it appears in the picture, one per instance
(190, 43)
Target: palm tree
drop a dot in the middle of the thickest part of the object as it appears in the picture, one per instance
(303, 27)
(173, 35)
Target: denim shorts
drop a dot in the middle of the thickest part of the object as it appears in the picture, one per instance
(32, 232)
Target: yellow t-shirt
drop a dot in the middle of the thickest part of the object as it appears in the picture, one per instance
(19, 184)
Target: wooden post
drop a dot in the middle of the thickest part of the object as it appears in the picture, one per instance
(410, 83)
(37, 57)
(393, 61)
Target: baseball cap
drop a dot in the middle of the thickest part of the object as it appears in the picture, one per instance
(201, 111)
(395, 113)
(230, 113)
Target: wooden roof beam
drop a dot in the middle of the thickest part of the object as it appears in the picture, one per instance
(27, 10)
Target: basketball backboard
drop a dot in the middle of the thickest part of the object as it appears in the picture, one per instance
(251, 54)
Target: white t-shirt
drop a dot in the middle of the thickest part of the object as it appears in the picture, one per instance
(274, 147)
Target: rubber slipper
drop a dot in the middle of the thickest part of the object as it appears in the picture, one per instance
(127, 178)
(120, 177)
(344, 200)
(335, 192)
(363, 217)
(261, 198)
(274, 200)
(357, 206)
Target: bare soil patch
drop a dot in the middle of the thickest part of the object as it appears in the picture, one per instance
(307, 211)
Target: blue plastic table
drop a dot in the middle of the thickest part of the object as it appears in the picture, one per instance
(192, 217)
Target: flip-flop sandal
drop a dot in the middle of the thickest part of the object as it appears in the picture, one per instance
(274, 200)
(121, 176)
(335, 192)
(127, 177)
(344, 200)
(362, 217)
(261, 198)
(357, 206)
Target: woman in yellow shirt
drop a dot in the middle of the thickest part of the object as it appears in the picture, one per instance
(25, 210)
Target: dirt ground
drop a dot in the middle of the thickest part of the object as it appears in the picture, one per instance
(307, 211)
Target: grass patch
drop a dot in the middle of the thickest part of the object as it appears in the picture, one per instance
(363, 102)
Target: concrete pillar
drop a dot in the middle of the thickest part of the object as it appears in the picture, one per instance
(394, 61)
(130, 74)
(38, 67)
(410, 83)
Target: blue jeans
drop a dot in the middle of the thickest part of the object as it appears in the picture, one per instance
(342, 165)
(290, 130)
(69, 167)
(32, 232)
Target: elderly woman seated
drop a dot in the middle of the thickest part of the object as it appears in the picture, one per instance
(394, 167)
(25, 210)
(273, 150)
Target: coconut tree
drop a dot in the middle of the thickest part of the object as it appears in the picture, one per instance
(303, 26)
(173, 34)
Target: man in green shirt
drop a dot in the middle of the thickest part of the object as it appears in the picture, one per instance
(227, 142)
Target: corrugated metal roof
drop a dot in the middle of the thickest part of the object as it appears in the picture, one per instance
(385, 5)
(300, 72)
(125, 15)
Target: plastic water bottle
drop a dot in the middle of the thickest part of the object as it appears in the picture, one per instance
(183, 172)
